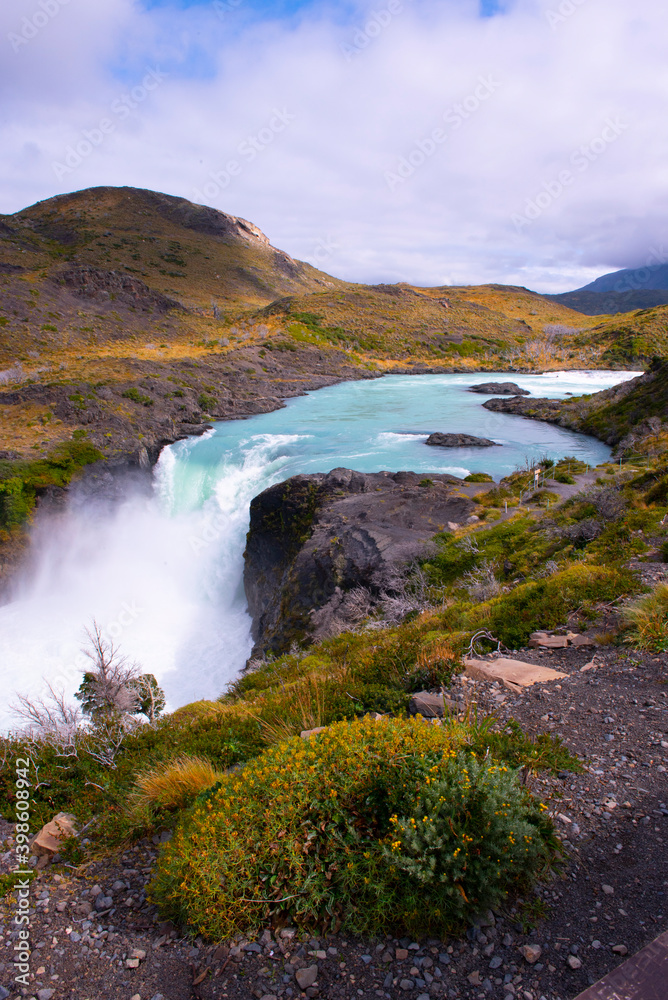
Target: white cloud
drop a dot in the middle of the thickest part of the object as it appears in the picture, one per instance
(540, 92)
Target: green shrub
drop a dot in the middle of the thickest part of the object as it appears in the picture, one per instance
(16, 502)
(563, 477)
(207, 403)
(305, 834)
(21, 482)
(137, 397)
(472, 833)
(546, 603)
(478, 477)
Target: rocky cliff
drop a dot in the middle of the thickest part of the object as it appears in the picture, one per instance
(315, 538)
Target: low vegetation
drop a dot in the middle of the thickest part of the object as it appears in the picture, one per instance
(372, 825)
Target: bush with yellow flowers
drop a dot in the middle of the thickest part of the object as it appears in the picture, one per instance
(323, 832)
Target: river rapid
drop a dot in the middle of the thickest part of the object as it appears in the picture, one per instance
(160, 568)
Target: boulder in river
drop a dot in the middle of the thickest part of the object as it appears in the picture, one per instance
(322, 548)
(459, 441)
(499, 389)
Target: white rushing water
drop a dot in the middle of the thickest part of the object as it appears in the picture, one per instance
(162, 572)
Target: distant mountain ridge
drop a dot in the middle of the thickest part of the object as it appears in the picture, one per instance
(619, 291)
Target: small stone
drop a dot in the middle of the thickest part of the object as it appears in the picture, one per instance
(3, 993)
(401, 954)
(61, 906)
(424, 996)
(607, 889)
(269, 996)
(531, 952)
(44, 994)
(406, 984)
(307, 977)
(131, 963)
(365, 958)
(474, 978)
(596, 945)
(288, 933)
(620, 949)
(574, 962)
(496, 962)
(138, 953)
(96, 890)
(135, 996)
(306, 734)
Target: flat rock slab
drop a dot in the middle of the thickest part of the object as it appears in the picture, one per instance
(513, 673)
(643, 977)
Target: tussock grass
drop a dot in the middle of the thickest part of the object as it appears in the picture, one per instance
(172, 786)
(647, 621)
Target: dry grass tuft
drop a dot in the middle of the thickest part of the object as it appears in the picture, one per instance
(172, 786)
(647, 620)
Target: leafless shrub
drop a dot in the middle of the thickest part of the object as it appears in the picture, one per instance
(481, 583)
(552, 330)
(585, 530)
(548, 569)
(50, 714)
(609, 501)
(343, 611)
(469, 543)
(110, 689)
(105, 741)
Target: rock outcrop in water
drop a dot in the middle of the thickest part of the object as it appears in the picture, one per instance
(315, 538)
(439, 440)
(499, 389)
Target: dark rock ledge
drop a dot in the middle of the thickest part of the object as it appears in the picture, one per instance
(315, 538)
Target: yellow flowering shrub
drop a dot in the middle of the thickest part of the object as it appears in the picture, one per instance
(305, 833)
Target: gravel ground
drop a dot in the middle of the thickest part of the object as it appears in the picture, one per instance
(94, 936)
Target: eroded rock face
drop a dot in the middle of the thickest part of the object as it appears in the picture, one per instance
(314, 538)
(499, 389)
(459, 441)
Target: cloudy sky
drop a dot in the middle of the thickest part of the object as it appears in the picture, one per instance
(459, 141)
